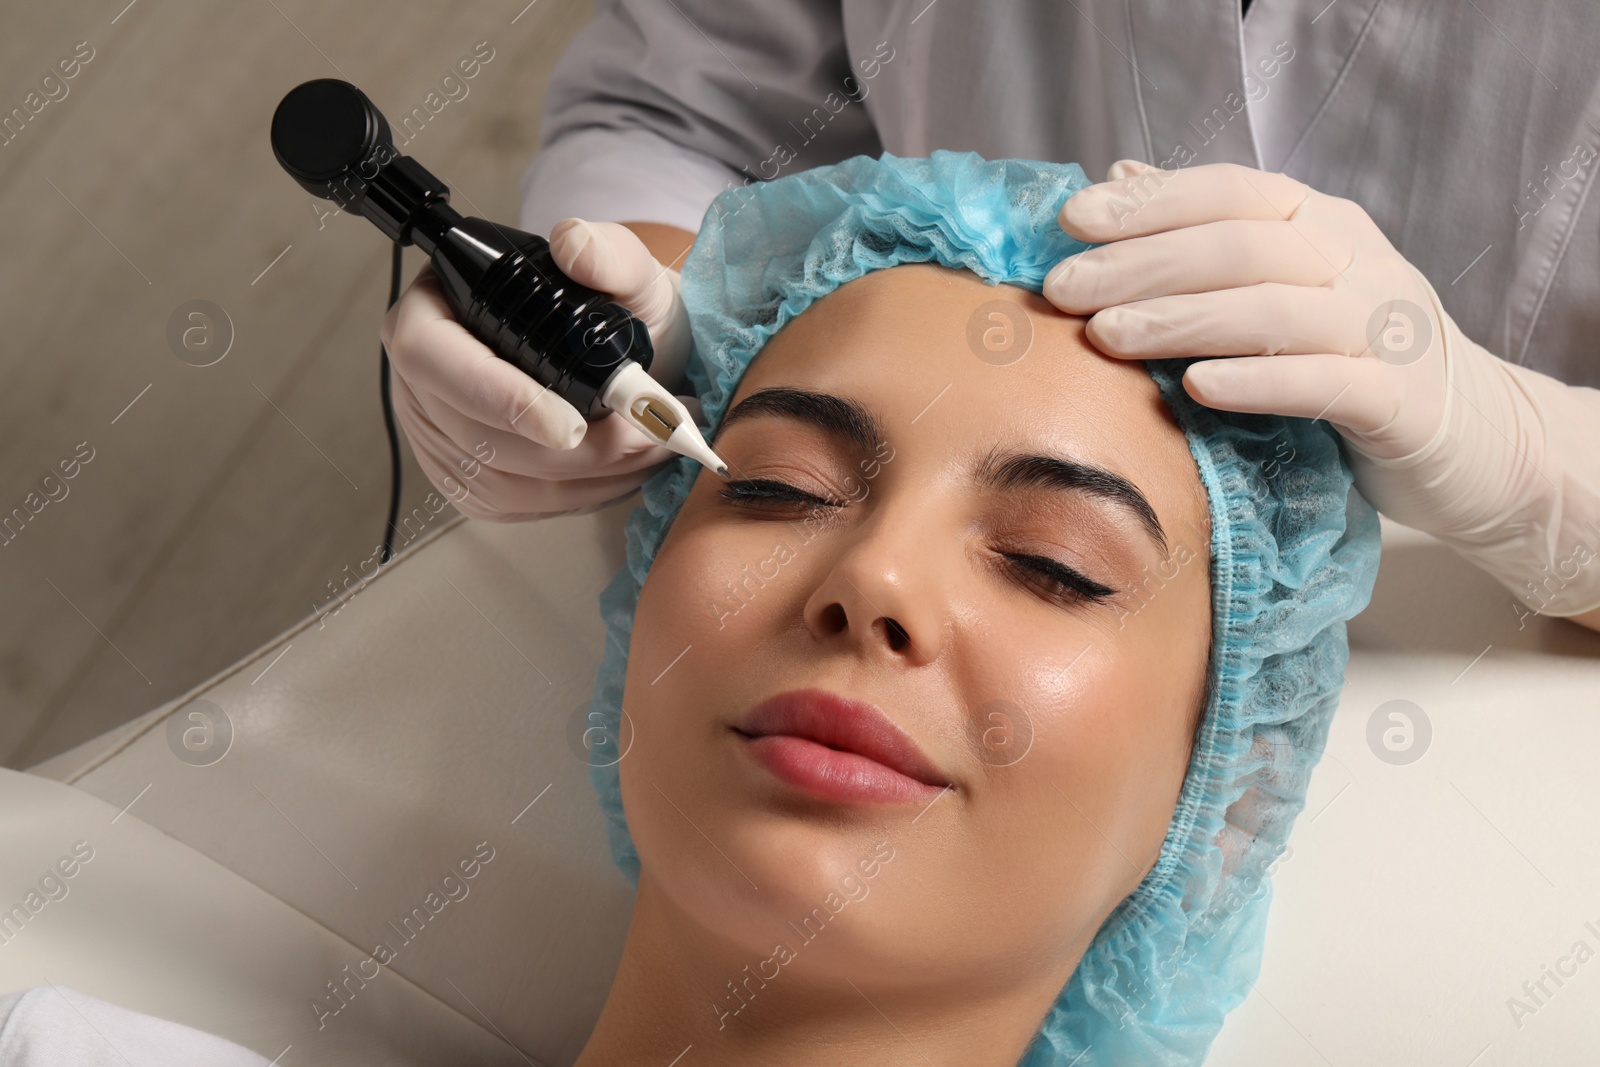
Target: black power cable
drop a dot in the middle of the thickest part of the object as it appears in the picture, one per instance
(388, 421)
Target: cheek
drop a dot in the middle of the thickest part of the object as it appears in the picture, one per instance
(674, 650)
(723, 590)
(1070, 825)
(702, 636)
(1049, 844)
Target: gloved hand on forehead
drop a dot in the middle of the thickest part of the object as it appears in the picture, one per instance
(494, 441)
(1322, 317)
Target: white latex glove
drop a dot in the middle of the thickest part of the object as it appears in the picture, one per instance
(1322, 317)
(495, 442)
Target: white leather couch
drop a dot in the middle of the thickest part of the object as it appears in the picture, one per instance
(431, 720)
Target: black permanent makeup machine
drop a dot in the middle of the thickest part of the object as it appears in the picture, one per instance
(501, 283)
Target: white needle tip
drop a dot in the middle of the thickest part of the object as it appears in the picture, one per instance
(650, 408)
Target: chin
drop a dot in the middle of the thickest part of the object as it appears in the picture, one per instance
(769, 868)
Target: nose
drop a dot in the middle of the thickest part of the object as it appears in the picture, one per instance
(882, 590)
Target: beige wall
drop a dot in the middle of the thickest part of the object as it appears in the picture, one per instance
(217, 508)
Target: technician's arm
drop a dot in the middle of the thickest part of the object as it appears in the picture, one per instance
(1520, 497)
(656, 108)
(669, 244)
(1590, 619)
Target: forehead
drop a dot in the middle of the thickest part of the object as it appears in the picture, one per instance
(954, 366)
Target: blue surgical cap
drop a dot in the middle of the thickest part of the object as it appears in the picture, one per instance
(1293, 554)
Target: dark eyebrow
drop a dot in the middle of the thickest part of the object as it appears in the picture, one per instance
(839, 416)
(1019, 471)
(854, 422)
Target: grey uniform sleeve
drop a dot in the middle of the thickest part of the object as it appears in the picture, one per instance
(57, 1026)
(655, 108)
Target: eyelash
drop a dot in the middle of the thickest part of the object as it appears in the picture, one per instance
(1054, 578)
(768, 490)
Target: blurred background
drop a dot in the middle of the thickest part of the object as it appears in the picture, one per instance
(176, 490)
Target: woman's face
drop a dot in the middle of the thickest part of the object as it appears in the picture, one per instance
(1015, 620)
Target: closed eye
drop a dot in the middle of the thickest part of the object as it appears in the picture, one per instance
(768, 490)
(1057, 579)
(1052, 577)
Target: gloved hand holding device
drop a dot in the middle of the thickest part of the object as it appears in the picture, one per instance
(458, 404)
(1322, 317)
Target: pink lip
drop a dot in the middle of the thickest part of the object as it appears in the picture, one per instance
(839, 749)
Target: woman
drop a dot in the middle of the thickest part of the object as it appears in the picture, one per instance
(963, 724)
(1097, 680)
